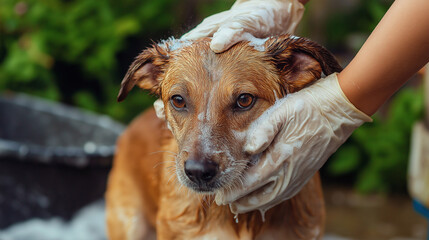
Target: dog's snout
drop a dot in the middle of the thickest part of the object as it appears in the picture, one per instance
(201, 171)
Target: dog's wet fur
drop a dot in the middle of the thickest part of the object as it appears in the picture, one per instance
(210, 100)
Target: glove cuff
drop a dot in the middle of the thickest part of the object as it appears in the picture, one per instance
(353, 110)
(339, 112)
(333, 93)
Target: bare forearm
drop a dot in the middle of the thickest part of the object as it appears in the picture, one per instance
(396, 49)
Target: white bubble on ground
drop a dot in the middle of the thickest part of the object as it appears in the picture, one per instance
(88, 223)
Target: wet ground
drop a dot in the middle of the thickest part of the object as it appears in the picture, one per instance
(354, 216)
(349, 216)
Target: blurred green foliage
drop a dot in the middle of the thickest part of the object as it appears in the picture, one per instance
(76, 52)
(376, 155)
(375, 158)
(357, 20)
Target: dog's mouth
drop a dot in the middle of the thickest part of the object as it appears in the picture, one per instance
(212, 167)
(201, 187)
(204, 188)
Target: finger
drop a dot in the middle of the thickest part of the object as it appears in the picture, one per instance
(269, 194)
(223, 39)
(200, 32)
(230, 196)
(207, 27)
(228, 35)
(264, 195)
(264, 129)
(259, 175)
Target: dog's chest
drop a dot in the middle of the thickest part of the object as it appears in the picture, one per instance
(184, 214)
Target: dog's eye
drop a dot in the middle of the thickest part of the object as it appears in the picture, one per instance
(178, 102)
(245, 101)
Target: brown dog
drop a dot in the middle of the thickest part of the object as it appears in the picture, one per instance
(209, 102)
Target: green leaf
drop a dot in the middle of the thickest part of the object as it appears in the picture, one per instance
(345, 160)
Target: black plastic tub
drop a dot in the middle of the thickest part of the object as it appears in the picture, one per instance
(54, 159)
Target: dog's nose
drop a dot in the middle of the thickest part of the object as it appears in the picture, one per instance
(201, 171)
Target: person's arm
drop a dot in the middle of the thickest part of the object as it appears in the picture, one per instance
(396, 49)
(304, 129)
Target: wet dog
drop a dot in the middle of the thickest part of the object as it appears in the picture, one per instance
(167, 169)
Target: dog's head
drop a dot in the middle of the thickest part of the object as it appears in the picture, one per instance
(211, 99)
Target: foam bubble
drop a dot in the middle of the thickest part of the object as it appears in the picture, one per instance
(262, 211)
(173, 44)
(201, 116)
(257, 43)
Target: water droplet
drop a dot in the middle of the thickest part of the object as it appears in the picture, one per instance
(236, 218)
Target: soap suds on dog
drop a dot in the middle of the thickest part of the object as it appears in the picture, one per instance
(173, 44)
(257, 43)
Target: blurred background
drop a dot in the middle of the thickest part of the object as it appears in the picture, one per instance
(75, 52)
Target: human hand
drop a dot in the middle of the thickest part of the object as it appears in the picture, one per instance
(248, 20)
(293, 138)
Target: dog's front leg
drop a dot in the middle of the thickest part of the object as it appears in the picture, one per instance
(124, 216)
(124, 199)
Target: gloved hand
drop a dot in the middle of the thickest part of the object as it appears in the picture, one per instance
(293, 138)
(248, 19)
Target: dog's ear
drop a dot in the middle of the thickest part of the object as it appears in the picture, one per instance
(146, 71)
(300, 61)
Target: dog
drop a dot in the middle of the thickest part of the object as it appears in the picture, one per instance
(167, 169)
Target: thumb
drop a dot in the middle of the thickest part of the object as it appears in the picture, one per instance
(265, 128)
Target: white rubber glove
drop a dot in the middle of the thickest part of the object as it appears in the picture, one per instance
(248, 19)
(159, 108)
(294, 139)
